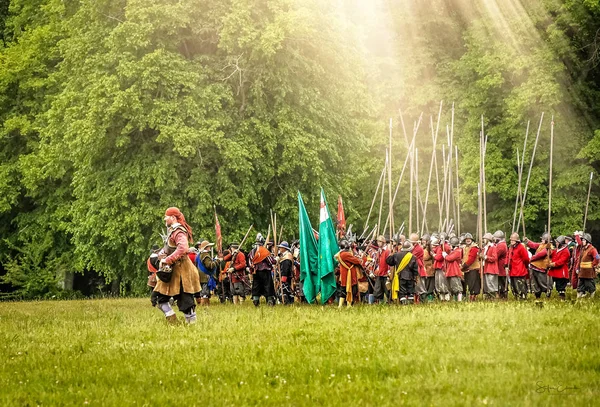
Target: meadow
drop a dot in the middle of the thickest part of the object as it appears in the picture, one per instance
(121, 352)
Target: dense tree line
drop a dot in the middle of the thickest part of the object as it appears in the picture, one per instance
(113, 110)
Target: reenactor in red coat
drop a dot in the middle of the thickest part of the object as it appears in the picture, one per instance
(558, 268)
(470, 266)
(588, 262)
(502, 252)
(441, 282)
(454, 273)
(489, 257)
(518, 260)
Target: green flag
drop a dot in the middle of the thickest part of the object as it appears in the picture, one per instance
(309, 256)
(328, 247)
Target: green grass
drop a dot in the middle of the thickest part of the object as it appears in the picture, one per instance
(120, 352)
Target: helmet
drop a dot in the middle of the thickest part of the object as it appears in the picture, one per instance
(499, 234)
(515, 236)
(454, 241)
(451, 235)
(426, 237)
(414, 238)
(443, 236)
(587, 237)
(260, 239)
(560, 240)
(406, 246)
(436, 235)
(284, 245)
(344, 244)
(467, 236)
(546, 237)
(489, 237)
(435, 241)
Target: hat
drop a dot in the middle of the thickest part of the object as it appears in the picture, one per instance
(284, 245)
(204, 244)
(234, 244)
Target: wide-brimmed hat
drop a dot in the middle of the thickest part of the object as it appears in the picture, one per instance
(284, 245)
(204, 244)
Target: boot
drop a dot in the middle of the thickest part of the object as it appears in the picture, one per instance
(256, 301)
(580, 294)
(341, 302)
(447, 297)
(172, 320)
(592, 294)
(199, 300)
(205, 302)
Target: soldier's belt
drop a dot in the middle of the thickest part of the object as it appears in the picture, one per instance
(586, 264)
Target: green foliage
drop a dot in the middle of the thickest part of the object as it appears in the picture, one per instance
(111, 111)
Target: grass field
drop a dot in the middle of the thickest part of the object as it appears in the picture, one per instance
(120, 352)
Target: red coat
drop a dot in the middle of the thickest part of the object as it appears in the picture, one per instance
(352, 262)
(518, 259)
(502, 252)
(239, 265)
(418, 252)
(438, 259)
(382, 270)
(490, 263)
(453, 263)
(559, 263)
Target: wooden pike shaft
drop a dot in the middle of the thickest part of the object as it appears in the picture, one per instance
(521, 216)
(520, 173)
(457, 194)
(430, 173)
(410, 204)
(587, 203)
(374, 197)
(550, 176)
(391, 206)
(381, 199)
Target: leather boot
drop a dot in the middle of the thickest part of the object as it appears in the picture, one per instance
(341, 302)
(172, 320)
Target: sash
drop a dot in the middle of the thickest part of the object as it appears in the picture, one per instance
(212, 284)
(396, 282)
(348, 280)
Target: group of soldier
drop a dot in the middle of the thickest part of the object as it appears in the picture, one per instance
(399, 270)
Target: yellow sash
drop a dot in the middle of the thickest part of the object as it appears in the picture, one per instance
(396, 282)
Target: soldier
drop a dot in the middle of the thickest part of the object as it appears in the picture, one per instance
(502, 252)
(441, 282)
(235, 269)
(454, 273)
(490, 267)
(518, 259)
(558, 268)
(589, 260)
(207, 266)
(180, 282)
(261, 264)
(348, 264)
(405, 274)
(470, 266)
(381, 271)
(419, 253)
(428, 280)
(286, 266)
(538, 264)
(224, 284)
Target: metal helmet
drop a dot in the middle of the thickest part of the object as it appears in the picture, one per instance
(344, 245)
(515, 236)
(435, 241)
(499, 234)
(546, 237)
(454, 241)
(443, 236)
(451, 235)
(260, 239)
(468, 236)
(560, 240)
(407, 246)
(426, 237)
(414, 238)
(489, 237)
(436, 235)
(587, 237)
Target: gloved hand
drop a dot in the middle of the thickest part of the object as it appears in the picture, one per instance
(230, 270)
(444, 254)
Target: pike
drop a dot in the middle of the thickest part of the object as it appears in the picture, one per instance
(457, 194)
(374, 197)
(382, 190)
(550, 175)
(520, 172)
(529, 174)
(391, 207)
(587, 203)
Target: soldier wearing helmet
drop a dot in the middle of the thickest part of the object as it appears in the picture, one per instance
(417, 251)
(454, 273)
(538, 265)
(428, 280)
(558, 268)
(441, 282)
(406, 272)
(489, 256)
(589, 260)
(349, 264)
(470, 266)
(502, 252)
(518, 260)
